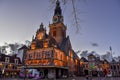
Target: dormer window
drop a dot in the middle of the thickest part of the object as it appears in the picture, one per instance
(33, 45)
(40, 36)
(45, 44)
(16, 61)
(7, 59)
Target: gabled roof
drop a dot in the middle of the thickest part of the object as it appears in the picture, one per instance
(105, 60)
(92, 55)
(66, 45)
(113, 61)
(74, 55)
(12, 58)
(39, 43)
(84, 59)
(23, 47)
(42, 28)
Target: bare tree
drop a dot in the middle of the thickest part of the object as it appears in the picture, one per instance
(75, 11)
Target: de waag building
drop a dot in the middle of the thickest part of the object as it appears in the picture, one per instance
(52, 54)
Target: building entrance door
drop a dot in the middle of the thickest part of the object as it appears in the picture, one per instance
(86, 72)
(46, 73)
(41, 74)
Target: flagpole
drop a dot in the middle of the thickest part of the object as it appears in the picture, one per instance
(111, 51)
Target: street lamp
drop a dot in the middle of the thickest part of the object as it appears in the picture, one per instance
(25, 66)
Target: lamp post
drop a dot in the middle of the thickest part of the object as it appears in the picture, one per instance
(24, 72)
(24, 64)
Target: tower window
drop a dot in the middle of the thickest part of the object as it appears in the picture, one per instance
(54, 33)
(6, 59)
(45, 44)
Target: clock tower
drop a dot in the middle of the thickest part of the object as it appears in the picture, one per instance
(50, 54)
(57, 13)
(57, 28)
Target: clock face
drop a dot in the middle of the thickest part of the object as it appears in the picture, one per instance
(61, 19)
(55, 19)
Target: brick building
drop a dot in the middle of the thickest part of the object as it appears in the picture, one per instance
(94, 66)
(52, 54)
(115, 68)
(9, 65)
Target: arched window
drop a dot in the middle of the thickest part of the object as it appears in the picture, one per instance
(114, 67)
(54, 33)
(111, 67)
(118, 67)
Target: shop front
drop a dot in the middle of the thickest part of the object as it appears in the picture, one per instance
(11, 73)
(50, 72)
(53, 73)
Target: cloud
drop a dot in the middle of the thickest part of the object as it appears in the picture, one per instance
(94, 44)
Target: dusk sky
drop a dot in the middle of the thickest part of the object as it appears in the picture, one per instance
(99, 22)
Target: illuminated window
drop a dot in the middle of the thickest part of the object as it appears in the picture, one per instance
(45, 44)
(71, 54)
(33, 46)
(40, 36)
(10, 66)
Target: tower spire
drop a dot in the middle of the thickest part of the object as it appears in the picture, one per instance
(58, 10)
(57, 13)
(58, 31)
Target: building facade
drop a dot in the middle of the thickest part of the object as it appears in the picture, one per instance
(9, 65)
(94, 66)
(115, 68)
(52, 54)
(84, 68)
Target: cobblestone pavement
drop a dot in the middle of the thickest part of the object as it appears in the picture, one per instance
(75, 78)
